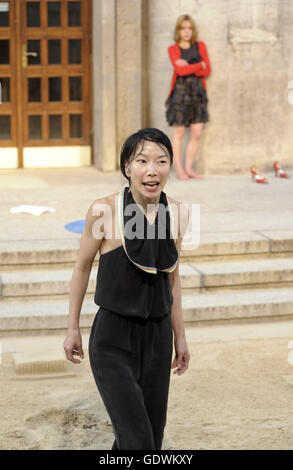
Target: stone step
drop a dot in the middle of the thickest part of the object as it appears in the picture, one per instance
(23, 254)
(39, 283)
(248, 272)
(204, 307)
(34, 252)
(193, 276)
(221, 244)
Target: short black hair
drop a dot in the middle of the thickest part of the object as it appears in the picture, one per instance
(152, 134)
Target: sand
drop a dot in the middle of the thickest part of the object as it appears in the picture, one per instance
(236, 394)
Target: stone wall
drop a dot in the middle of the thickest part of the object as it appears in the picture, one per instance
(250, 49)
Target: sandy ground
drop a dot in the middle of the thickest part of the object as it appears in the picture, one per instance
(236, 394)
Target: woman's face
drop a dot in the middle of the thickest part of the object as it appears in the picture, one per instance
(186, 31)
(149, 169)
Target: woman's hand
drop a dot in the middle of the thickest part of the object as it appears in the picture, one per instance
(204, 64)
(182, 356)
(181, 62)
(73, 345)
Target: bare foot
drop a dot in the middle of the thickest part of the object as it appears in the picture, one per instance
(192, 174)
(182, 175)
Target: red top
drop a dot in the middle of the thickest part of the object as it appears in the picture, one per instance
(198, 70)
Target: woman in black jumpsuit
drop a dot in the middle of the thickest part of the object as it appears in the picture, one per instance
(130, 345)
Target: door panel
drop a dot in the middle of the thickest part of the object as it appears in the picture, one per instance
(57, 33)
(45, 96)
(7, 76)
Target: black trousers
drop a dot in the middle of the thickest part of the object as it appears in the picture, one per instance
(131, 362)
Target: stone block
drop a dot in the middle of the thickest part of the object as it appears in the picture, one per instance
(40, 362)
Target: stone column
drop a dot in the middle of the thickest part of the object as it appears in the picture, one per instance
(104, 85)
(131, 68)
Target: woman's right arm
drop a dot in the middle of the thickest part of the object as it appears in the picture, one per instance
(185, 69)
(89, 246)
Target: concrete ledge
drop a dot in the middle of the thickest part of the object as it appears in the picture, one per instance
(238, 305)
(42, 316)
(38, 251)
(263, 271)
(193, 276)
(280, 240)
(217, 244)
(42, 362)
(34, 283)
(37, 365)
(57, 282)
(200, 307)
(189, 276)
(227, 243)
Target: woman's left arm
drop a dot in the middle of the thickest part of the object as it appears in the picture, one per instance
(182, 356)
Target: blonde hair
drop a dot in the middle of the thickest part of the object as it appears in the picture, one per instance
(179, 25)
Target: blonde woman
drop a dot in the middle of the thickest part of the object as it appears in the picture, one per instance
(186, 105)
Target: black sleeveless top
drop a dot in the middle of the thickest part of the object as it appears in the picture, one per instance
(191, 55)
(132, 279)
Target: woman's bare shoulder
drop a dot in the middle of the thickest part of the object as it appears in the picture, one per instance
(172, 200)
(103, 207)
(182, 214)
(104, 201)
(178, 204)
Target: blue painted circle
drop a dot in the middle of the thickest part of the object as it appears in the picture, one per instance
(77, 226)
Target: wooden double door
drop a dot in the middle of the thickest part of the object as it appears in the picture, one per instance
(45, 75)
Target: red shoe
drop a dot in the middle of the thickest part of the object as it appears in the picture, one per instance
(256, 176)
(279, 171)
